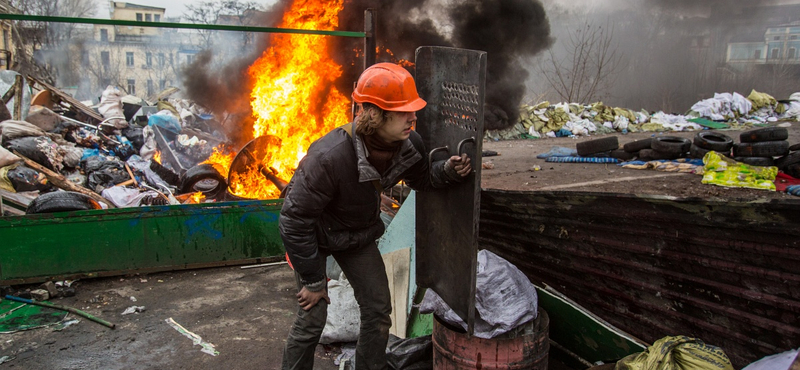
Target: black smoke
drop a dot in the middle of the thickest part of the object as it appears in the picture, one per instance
(507, 30)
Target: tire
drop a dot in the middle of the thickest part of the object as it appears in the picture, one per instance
(756, 161)
(672, 146)
(205, 179)
(793, 170)
(794, 148)
(761, 149)
(652, 155)
(713, 141)
(788, 160)
(165, 173)
(635, 146)
(764, 134)
(697, 152)
(61, 201)
(605, 144)
(622, 155)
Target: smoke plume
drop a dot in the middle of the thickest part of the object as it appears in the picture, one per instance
(506, 29)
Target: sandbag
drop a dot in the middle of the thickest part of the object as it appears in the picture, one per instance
(7, 158)
(677, 353)
(12, 129)
(344, 317)
(504, 298)
(111, 106)
(43, 118)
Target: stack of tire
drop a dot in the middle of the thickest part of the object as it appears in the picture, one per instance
(602, 147)
(761, 147)
(654, 148)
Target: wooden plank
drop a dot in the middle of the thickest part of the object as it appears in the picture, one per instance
(397, 266)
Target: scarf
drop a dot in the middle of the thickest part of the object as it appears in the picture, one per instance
(380, 152)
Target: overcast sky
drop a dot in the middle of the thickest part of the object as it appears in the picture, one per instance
(174, 8)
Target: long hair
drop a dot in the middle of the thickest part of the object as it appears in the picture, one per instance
(365, 124)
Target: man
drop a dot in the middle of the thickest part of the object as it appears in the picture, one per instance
(332, 208)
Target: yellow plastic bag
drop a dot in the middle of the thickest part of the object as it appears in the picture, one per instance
(677, 353)
(719, 170)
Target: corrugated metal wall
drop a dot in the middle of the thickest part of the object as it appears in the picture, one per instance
(725, 272)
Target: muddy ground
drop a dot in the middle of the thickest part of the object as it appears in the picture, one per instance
(246, 313)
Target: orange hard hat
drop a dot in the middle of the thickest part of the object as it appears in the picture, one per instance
(390, 87)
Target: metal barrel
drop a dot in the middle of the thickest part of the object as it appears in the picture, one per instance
(526, 347)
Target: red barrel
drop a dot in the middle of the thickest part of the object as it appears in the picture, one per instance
(526, 347)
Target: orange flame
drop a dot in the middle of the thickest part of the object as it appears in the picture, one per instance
(293, 95)
(157, 156)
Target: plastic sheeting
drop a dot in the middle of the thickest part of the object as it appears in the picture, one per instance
(505, 299)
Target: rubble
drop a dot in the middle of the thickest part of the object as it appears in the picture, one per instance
(108, 152)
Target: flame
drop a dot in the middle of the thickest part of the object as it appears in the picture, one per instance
(157, 156)
(293, 95)
(197, 197)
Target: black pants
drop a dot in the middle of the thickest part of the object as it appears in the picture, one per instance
(366, 273)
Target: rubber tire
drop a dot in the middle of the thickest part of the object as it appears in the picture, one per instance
(761, 149)
(61, 201)
(713, 141)
(756, 161)
(652, 155)
(764, 134)
(199, 173)
(697, 152)
(672, 146)
(788, 160)
(793, 170)
(794, 147)
(606, 144)
(622, 155)
(635, 146)
(165, 173)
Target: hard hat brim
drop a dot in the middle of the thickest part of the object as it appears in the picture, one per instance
(413, 106)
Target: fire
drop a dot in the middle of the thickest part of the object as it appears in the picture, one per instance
(293, 95)
(157, 156)
(197, 197)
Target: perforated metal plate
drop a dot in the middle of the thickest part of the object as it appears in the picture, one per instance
(452, 81)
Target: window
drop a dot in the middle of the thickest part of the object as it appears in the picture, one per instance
(148, 57)
(103, 34)
(160, 59)
(84, 58)
(162, 84)
(776, 38)
(157, 17)
(793, 37)
(792, 53)
(776, 53)
(148, 17)
(757, 54)
(138, 17)
(132, 87)
(104, 58)
(189, 58)
(129, 59)
(150, 89)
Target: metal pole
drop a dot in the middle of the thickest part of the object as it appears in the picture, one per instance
(370, 43)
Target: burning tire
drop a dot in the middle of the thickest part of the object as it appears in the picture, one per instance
(203, 178)
(61, 201)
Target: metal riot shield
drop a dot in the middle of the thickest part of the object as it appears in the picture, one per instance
(452, 81)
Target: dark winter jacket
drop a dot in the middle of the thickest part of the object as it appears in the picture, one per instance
(332, 202)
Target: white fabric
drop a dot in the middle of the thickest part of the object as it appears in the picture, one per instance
(344, 316)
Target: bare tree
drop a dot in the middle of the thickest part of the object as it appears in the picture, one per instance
(31, 37)
(587, 67)
(232, 12)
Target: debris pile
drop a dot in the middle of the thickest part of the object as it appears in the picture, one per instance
(724, 110)
(60, 154)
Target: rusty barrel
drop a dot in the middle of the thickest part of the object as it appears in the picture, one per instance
(525, 347)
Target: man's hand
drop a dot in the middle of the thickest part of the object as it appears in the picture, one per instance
(460, 164)
(308, 299)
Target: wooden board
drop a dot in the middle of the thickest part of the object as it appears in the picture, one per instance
(397, 267)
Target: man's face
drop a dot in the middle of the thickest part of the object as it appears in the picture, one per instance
(397, 126)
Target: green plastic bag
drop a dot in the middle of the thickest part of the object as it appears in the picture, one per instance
(677, 353)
